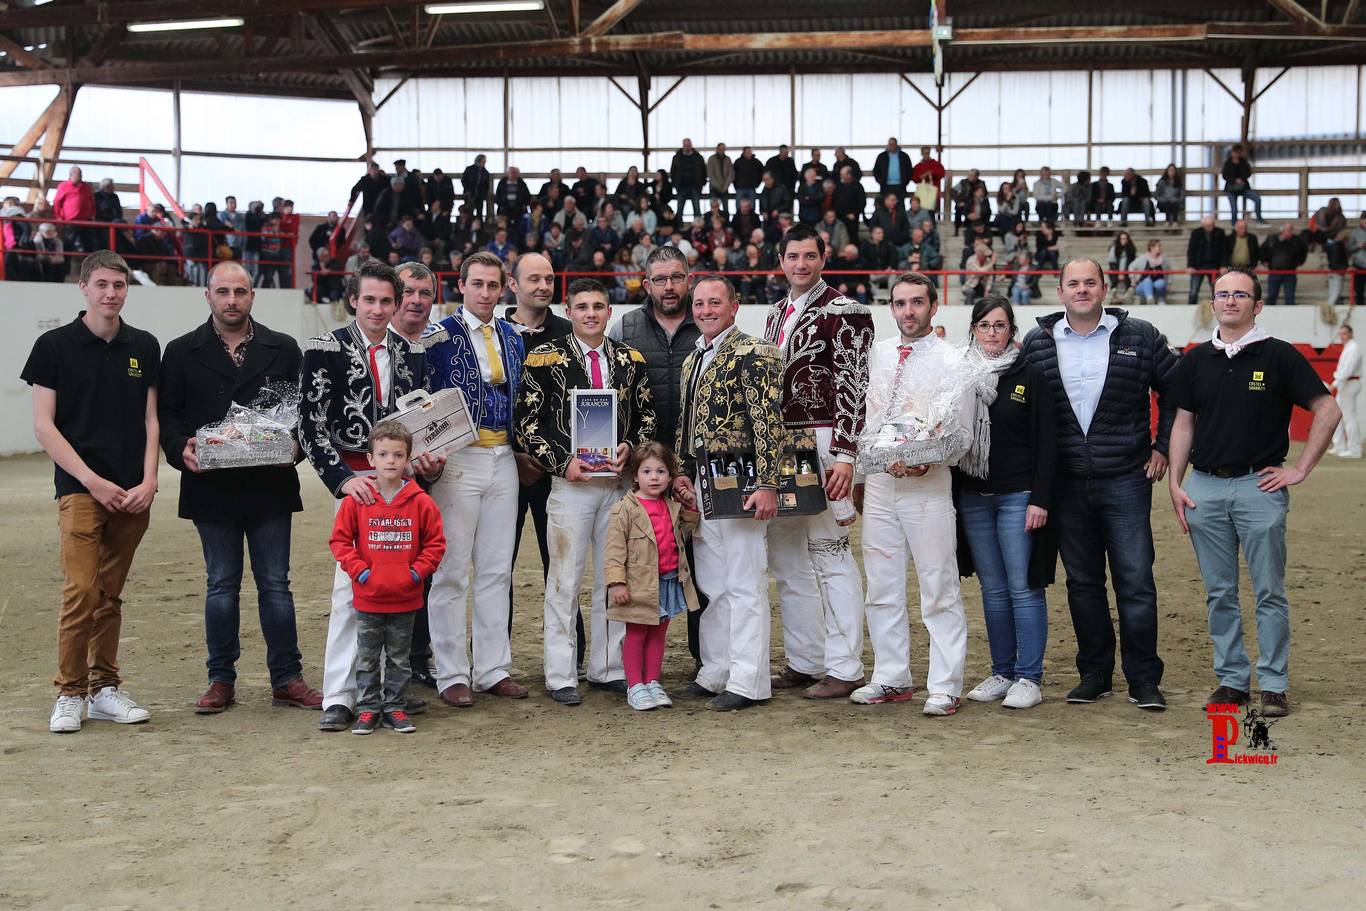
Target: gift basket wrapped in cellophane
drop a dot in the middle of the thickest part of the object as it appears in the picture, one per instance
(259, 433)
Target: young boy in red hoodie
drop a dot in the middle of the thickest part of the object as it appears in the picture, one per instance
(388, 548)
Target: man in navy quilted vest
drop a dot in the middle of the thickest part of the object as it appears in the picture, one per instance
(1103, 364)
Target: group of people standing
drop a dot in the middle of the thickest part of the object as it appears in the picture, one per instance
(1050, 453)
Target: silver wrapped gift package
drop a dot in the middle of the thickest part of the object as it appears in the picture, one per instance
(438, 421)
(260, 433)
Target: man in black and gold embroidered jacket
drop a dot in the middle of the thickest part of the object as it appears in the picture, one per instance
(351, 379)
(579, 505)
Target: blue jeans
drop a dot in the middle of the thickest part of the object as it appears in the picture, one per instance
(1102, 519)
(1275, 284)
(1229, 512)
(1016, 615)
(1150, 287)
(268, 541)
(1236, 209)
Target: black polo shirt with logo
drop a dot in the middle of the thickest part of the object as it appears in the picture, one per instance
(101, 396)
(1242, 404)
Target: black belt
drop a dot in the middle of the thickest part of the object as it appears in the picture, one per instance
(1236, 471)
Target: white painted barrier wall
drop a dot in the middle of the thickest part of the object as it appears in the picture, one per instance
(33, 308)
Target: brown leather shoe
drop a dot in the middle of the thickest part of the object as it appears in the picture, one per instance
(1275, 705)
(508, 689)
(832, 688)
(1227, 695)
(791, 680)
(216, 699)
(458, 695)
(299, 694)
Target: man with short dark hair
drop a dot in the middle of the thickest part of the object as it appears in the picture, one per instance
(373, 182)
(892, 170)
(230, 359)
(1134, 193)
(1283, 254)
(1103, 366)
(1204, 255)
(1233, 396)
(1237, 172)
(95, 414)
(749, 173)
(784, 169)
(580, 504)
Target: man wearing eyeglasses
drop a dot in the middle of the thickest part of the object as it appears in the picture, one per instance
(1233, 396)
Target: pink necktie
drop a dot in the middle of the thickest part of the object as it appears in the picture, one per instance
(782, 327)
(374, 369)
(594, 371)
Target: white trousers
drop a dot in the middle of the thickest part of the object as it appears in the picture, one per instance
(1347, 438)
(576, 523)
(917, 513)
(477, 495)
(339, 656)
(820, 592)
(733, 634)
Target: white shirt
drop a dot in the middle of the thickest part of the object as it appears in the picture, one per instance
(481, 351)
(1083, 364)
(798, 305)
(708, 349)
(1349, 363)
(604, 365)
(381, 362)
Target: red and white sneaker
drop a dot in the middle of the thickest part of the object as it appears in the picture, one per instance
(939, 704)
(877, 694)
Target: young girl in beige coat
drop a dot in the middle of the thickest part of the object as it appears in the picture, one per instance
(646, 571)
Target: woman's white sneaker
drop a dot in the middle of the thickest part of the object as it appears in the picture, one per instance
(991, 689)
(114, 704)
(1024, 694)
(67, 715)
(640, 698)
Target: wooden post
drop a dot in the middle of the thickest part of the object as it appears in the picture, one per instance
(175, 125)
(1090, 114)
(30, 139)
(792, 97)
(507, 120)
(52, 142)
(1304, 193)
(643, 103)
(1249, 82)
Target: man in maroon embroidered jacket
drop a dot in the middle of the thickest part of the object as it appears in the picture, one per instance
(825, 339)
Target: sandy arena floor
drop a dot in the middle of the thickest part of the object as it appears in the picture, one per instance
(519, 805)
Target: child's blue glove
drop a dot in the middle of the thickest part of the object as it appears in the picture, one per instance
(416, 577)
(364, 574)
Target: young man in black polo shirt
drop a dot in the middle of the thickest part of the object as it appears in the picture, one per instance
(95, 413)
(1234, 395)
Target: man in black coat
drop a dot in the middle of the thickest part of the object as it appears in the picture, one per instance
(784, 168)
(749, 173)
(230, 359)
(1204, 255)
(892, 170)
(474, 183)
(373, 182)
(1102, 366)
(688, 171)
(512, 195)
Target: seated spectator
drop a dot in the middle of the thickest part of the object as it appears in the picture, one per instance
(321, 235)
(847, 275)
(921, 254)
(1149, 273)
(838, 234)
(753, 281)
(1171, 194)
(615, 221)
(774, 200)
(1048, 192)
(661, 191)
(50, 254)
(891, 218)
(962, 195)
(603, 238)
(1008, 209)
(850, 201)
(625, 285)
(810, 195)
(1102, 196)
(975, 229)
(406, 240)
(1327, 227)
(585, 190)
(328, 281)
(151, 239)
(877, 252)
(1018, 239)
(981, 278)
(512, 197)
(718, 235)
(500, 246)
(1077, 203)
(553, 192)
(1122, 254)
(1046, 246)
(1024, 283)
(745, 220)
(436, 229)
(570, 218)
(919, 217)
(630, 191)
(1283, 254)
(361, 255)
(649, 219)
(1134, 195)
(1019, 184)
(1237, 174)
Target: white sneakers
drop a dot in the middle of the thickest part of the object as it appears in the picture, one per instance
(640, 697)
(1024, 694)
(662, 699)
(991, 689)
(877, 694)
(67, 715)
(941, 704)
(114, 704)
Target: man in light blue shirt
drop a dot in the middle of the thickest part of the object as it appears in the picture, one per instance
(1083, 364)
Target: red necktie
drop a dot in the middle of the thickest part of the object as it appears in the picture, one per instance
(594, 371)
(782, 327)
(905, 353)
(374, 372)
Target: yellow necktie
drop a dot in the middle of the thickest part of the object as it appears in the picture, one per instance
(495, 362)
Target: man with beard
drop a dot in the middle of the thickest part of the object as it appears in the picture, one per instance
(664, 332)
(533, 282)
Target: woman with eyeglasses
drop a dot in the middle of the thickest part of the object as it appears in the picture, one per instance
(1003, 510)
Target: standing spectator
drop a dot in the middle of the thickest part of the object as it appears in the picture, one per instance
(1135, 194)
(929, 168)
(253, 223)
(585, 190)
(842, 160)
(1077, 202)
(1356, 248)
(391, 205)
(1241, 248)
(1048, 192)
(1204, 255)
(850, 201)
(689, 173)
(1234, 394)
(272, 272)
(194, 247)
(371, 184)
(981, 279)
(1102, 366)
(289, 227)
(822, 171)
(720, 176)
(892, 170)
(440, 188)
(1103, 196)
(1346, 387)
(1283, 254)
(1237, 172)
(235, 222)
(1149, 274)
(1122, 254)
(1171, 194)
(784, 168)
(512, 195)
(749, 173)
(75, 201)
(229, 505)
(95, 414)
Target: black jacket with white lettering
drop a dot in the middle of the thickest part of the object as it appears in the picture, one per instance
(1120, 437)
